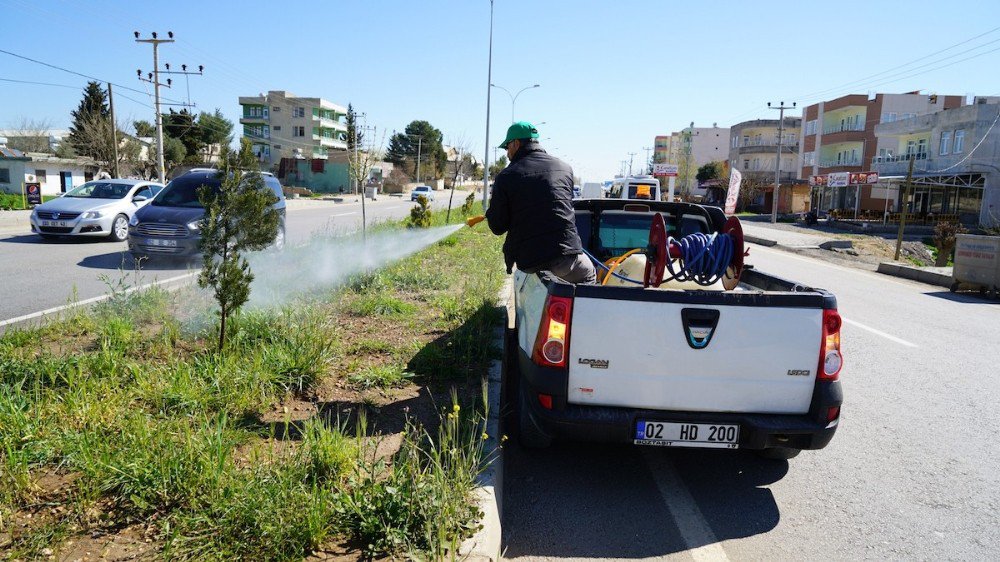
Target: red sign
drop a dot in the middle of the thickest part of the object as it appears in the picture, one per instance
(858, 178)
(817, 180)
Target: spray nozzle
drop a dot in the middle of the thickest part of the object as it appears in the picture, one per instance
(473, 221)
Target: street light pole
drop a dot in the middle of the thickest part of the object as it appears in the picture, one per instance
(513, 97)
(777, 165)
(486, 148)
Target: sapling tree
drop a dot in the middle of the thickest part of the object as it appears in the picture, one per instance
(239, 217)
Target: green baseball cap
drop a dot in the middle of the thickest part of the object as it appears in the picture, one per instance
(518, 131)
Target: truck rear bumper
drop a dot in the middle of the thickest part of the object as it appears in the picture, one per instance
(617, 425)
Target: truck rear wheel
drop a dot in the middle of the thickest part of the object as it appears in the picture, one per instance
(779, 453)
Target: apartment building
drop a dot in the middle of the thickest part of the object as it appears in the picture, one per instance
(955, 155)
(283, 125)
(753, 150)
(839, 136)
(690, 149)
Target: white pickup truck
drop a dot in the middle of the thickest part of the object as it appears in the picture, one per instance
(756, 367)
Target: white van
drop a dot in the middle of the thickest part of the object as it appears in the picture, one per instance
(635, 187)
(593, 191)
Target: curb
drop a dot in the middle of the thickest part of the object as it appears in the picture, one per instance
(913, 273)
(759, 241)
(484, 546)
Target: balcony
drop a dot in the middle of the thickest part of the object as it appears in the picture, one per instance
(327, 123)
(764, 147)
(255, 134)
(838, 163)
(897, 165)
(838, 128)
(330, 142)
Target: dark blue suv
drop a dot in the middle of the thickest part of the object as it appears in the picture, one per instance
(169, 225)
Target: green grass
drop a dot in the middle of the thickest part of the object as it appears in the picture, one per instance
(15, 202)
(156, 427)
(381, 304)
(380, 376)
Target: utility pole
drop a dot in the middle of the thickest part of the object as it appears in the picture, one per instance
(154, 79)
(777, 164)
(686, 189)
(486, 148)
(114, 129)
(420, 140)
(649, 163)
(630, 156)
(903, 201)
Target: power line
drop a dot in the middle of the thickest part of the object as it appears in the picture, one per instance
(80, 74)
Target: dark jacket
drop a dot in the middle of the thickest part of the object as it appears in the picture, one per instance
(533, 203)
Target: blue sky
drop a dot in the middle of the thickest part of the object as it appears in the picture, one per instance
(612, 74)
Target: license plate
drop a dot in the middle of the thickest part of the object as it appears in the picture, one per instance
(675, 434)
(55, 223)
(158, 242)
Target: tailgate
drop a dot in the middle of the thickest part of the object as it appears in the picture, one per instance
(693, 357)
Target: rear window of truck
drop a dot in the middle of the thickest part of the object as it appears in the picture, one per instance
(621, 231)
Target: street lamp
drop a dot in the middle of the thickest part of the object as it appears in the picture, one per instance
(486, 148)
(513, 97)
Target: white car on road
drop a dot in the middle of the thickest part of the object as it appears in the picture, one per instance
(424, 190)
(96, 208)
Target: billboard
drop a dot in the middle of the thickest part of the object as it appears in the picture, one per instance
(33, 193)
(860, 178)
(665, 170)
(838, 179)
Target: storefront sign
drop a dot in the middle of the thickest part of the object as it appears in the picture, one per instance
(33, 193)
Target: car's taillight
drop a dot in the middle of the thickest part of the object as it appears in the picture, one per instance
(830, 358)
(552, 341)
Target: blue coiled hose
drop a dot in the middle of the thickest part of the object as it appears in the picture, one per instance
(704, 259)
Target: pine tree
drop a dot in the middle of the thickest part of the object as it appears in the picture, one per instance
(239, 217)
(92, 112)
(354, 136)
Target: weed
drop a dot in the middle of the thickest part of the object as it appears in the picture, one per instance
(380, 304)
(382, 376)
(420, 214)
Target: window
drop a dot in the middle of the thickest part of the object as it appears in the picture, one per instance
(746, 164)
(40, 176)
(735, 142)
(809, 158)
(922, 148)
(945, 147)
(298, 112)
(4, 175)
(276, 109)
(889, 117)
(298, 131)
(277, 127)
(811, 127)
(959, 140)
(276, 147)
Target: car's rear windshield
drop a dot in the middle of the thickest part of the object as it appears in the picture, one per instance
(183, 192)
(621, 231)
(100, 190)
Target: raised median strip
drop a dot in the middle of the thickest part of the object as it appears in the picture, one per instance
(940, 276)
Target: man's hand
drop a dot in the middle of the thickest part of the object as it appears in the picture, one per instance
(473, 221)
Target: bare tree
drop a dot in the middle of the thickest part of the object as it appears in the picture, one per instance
(30, 135)
(462, 164)
(360, 162)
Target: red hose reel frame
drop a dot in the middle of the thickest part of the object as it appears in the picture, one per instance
(658, 252)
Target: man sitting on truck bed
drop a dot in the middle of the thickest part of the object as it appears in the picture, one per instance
(533, 204)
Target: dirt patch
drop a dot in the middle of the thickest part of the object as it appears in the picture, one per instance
(135, 542)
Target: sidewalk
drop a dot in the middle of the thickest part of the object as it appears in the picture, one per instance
(15, 222)
(784, 236)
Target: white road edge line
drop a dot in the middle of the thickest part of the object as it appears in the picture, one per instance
(91, 300)
(344, 214)
(688, 518)
(879, 332)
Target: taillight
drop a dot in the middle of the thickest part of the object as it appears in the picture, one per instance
(830, 358)
(552, 342)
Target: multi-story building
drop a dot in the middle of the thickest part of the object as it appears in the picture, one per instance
(955, 153)
(753, 150)
(839, 136)
(690, 149)
(283, 125)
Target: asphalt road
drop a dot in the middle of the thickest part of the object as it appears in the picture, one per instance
(40, 275)
(911, 474)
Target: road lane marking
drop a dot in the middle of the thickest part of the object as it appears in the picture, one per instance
(700, 540)
(344, 214)
(878, 332)
(91, 300)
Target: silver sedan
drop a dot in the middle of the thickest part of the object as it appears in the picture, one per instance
(96, 208)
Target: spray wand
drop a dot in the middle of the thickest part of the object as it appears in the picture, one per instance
(473, 221)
